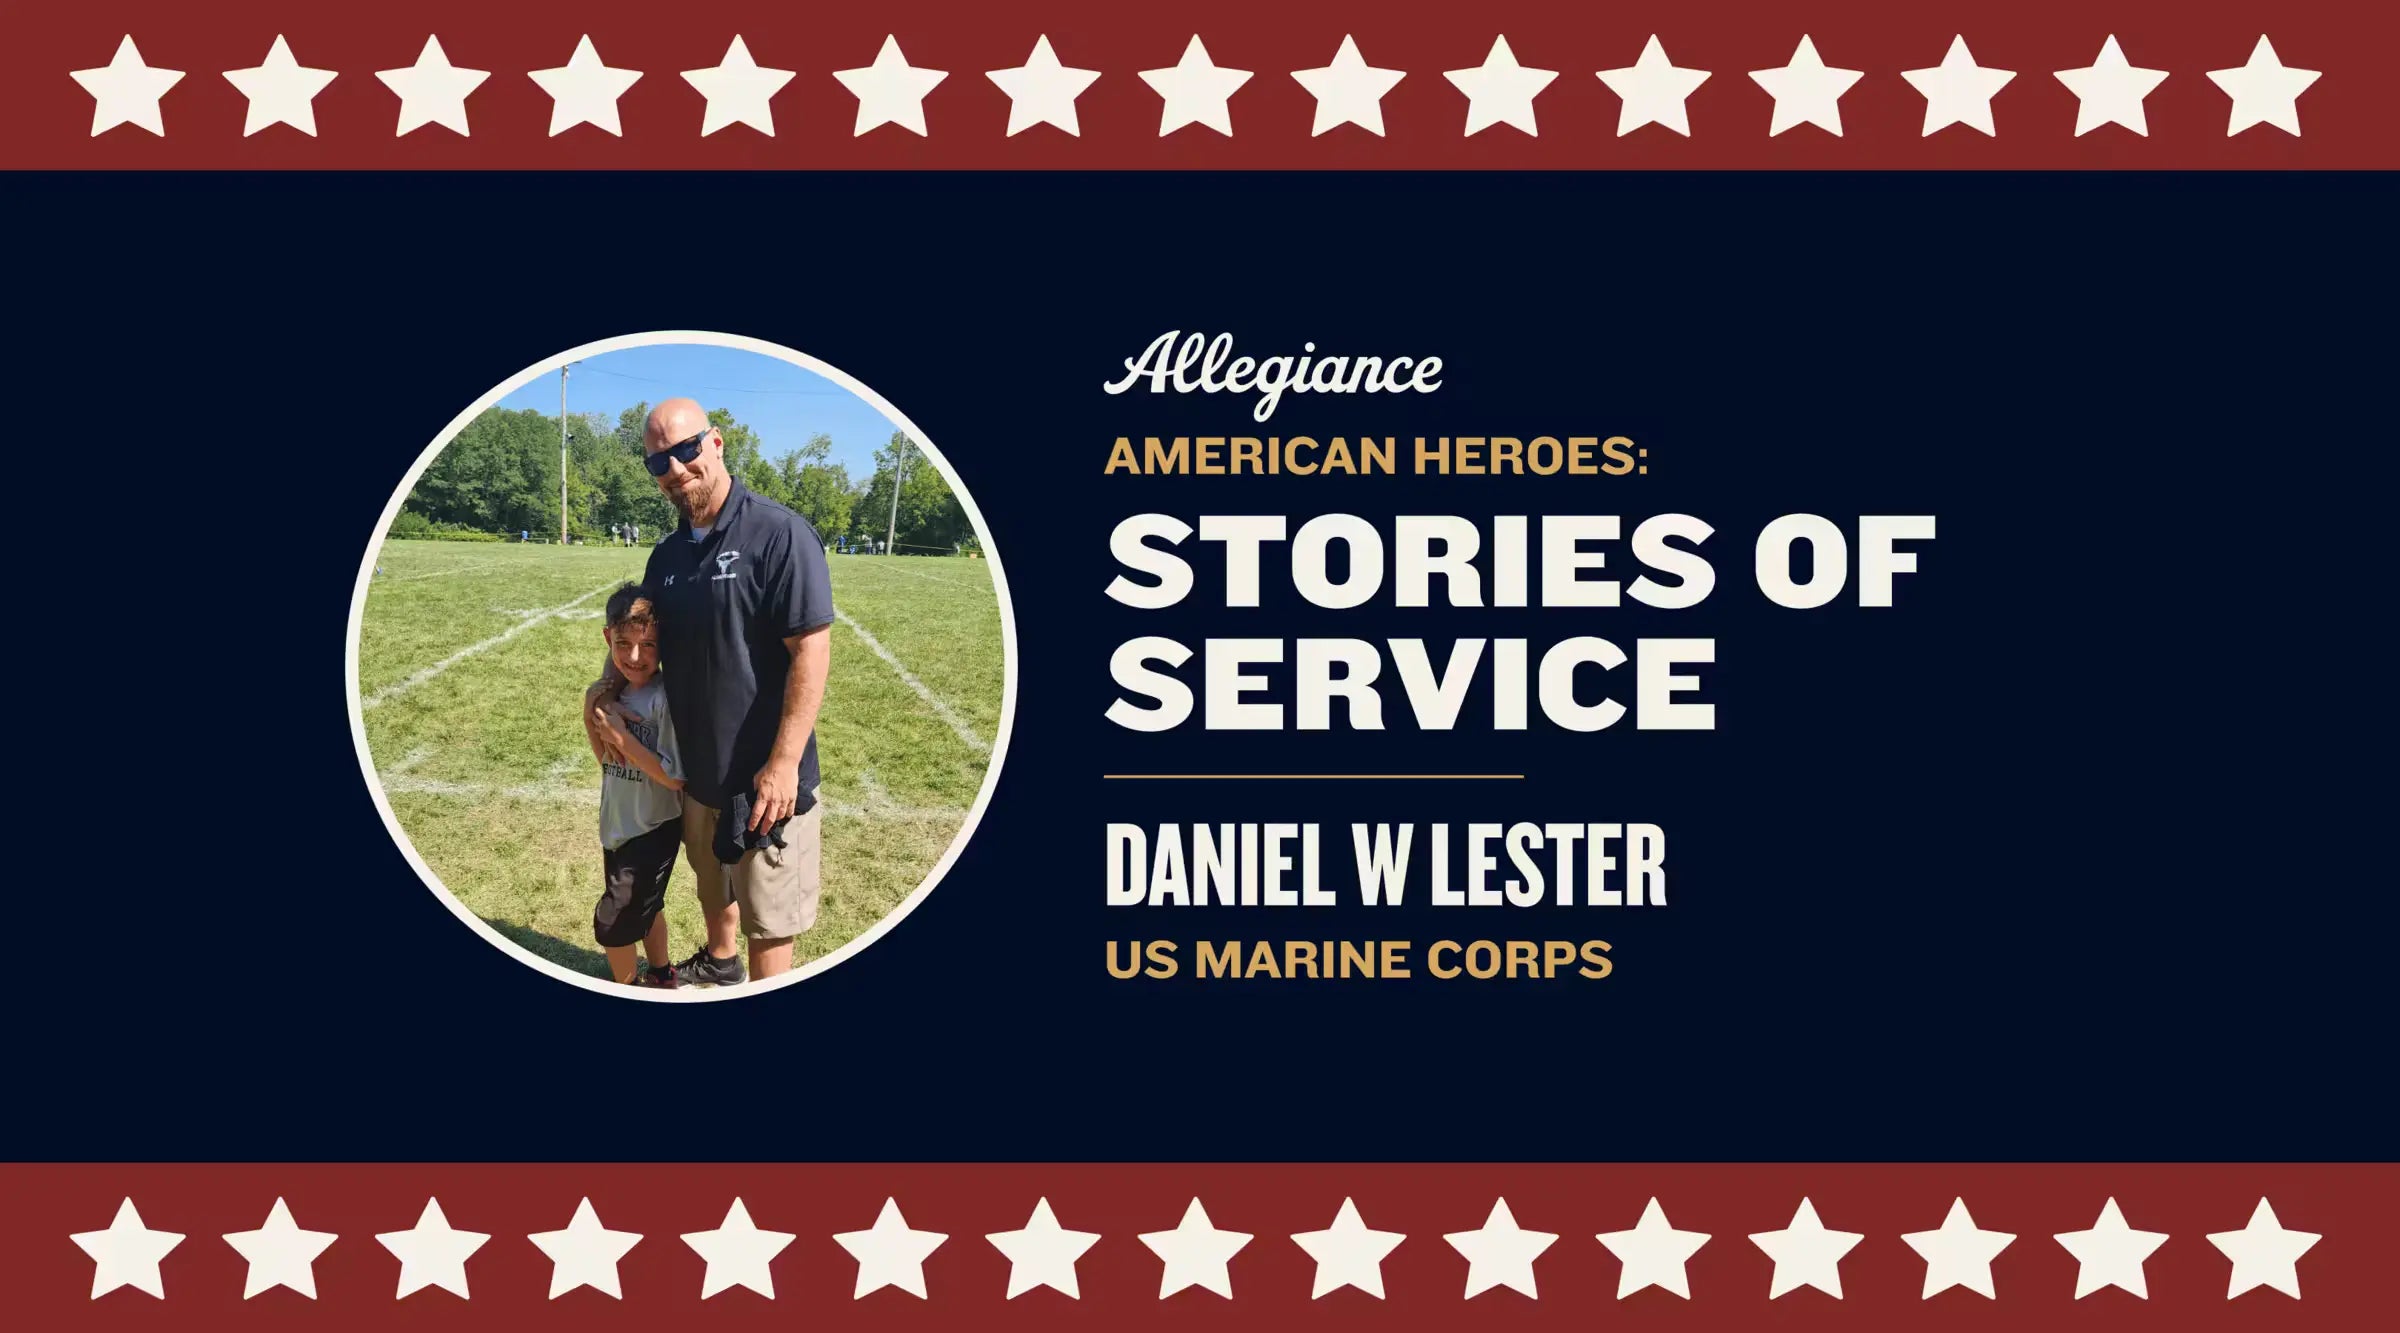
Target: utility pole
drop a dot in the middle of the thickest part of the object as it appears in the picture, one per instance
(891, 531)
(562, 454)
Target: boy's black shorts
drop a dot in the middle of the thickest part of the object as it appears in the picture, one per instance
(636, 890)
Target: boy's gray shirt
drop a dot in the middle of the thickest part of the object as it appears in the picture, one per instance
(630, 803)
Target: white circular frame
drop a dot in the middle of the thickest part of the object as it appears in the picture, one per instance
(383, 805)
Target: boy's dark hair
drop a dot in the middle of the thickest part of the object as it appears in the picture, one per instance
(630, 605)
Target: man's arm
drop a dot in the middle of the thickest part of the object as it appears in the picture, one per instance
(778, 784)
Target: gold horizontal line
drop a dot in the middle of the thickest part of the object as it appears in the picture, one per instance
(1314, 777)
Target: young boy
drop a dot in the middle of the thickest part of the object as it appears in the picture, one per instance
(641, 801)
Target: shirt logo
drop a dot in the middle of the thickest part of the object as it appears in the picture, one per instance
(725, 561)
(670, 580)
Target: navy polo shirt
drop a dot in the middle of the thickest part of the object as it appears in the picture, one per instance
(725, 605)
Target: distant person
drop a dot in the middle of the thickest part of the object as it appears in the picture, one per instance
(743, 599)
(641, 799)
(523, 535)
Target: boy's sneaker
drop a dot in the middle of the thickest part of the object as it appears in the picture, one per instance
(661, 978)
(703, 970)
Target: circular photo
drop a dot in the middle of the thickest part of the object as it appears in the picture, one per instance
(681, 666)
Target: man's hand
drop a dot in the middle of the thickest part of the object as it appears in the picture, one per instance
(778, 784)
(604, 749)
(778, 788)
(608, 724)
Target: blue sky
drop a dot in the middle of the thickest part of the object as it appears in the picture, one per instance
(782, 402)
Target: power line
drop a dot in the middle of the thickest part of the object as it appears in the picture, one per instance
(721, 388)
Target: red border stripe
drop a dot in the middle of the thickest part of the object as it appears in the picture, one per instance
(2347, 118)
(2346, 1279)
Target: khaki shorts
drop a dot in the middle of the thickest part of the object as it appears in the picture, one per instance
(776, 886)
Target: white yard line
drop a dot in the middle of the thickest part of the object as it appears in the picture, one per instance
(876, 562)
(876, 804)
(933, 701)
(400, 687)
(876, 807)
(439, 573)
(395, 784)
(415, 758)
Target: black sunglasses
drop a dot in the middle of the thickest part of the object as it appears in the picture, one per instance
(685, 453)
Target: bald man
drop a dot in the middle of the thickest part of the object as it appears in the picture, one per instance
(744, 599)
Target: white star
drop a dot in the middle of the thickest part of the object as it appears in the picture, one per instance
(1500, 91)
(584, 91)
(1653, 1253)
(127, 1254)
(1042, 1253)
(1652, 89)
(1196, 1254)
(1042, 91)
(738, 1252)
(1195, 90)
(2108, 90)
(1958, 91)
(891, 91)
(889, 1253)
(1806, 1254)
(280, 1254)
(1806, 91)
(1349, 91)
(2263, 1253)
(1348, 1253)
(125, 91)
(738, 90)
(1500, 1253)
(585, 1254)
(431, 1253)
(1959, 1254)
(2265, 92)
(433, 91)
(2110, 1254)
(281, 91)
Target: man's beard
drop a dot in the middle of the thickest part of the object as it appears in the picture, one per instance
(684, 499)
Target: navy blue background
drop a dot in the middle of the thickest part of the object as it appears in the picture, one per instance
(2071, 855)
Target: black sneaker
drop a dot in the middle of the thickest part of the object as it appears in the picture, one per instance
(701, 969)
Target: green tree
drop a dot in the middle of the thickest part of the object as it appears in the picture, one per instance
(633, 496)
(821, 494)
(741, 443)
(499, 475)
(629, 428)
(816, 489)
(929, 515)
(764, 478)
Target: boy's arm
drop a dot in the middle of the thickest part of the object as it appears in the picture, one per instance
(637, 754)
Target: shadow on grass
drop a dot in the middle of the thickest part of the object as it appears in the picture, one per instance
(550, 948)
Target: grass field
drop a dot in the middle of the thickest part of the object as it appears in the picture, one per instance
(472, 659)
